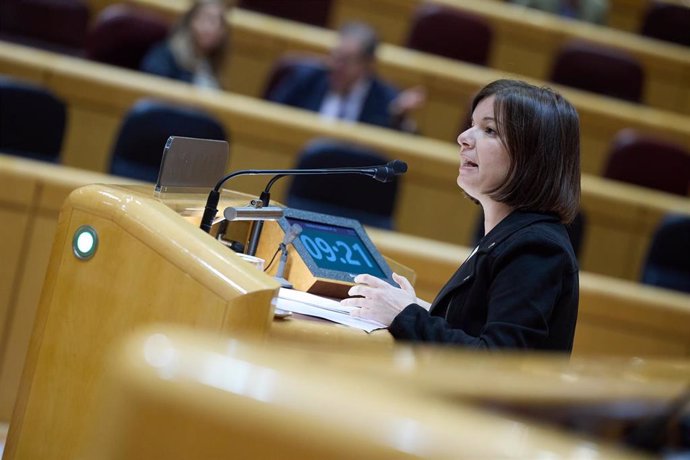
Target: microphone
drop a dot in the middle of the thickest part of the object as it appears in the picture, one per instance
(382, 173)
(290, 236)
(390, 170)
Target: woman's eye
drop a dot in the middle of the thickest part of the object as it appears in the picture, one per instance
(488, 130)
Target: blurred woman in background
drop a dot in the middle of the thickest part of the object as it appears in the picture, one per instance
(195, 49)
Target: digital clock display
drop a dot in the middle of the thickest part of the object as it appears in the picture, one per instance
(337, 248)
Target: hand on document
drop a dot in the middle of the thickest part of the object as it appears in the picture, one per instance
(379, 301)
(322, 307)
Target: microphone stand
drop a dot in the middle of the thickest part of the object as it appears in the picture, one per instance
(258, 226)
(280, 272)
(292, 233)
(382, 173)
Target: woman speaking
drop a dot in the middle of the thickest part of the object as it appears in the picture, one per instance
(520, 161)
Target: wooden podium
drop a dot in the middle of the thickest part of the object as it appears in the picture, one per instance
(150, 265)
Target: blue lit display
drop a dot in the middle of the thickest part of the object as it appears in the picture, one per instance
(337, 248)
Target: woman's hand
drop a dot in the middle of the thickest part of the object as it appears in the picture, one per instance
(379, 300)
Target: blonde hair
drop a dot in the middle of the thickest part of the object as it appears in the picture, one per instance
(182, 44)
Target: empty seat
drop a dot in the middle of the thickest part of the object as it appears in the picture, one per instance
(450, 33)
(145, 130)
(606, 71)
(122, 34)
(668, 260)
(56, 25)
(314, 12)
(354, 196)
(669, 22)
(32, 121)
(649, 162)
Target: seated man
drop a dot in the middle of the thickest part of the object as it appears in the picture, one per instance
(348, 88)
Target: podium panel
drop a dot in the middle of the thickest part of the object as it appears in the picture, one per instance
(149, 265)
(31, 195)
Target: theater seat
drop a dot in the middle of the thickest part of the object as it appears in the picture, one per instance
(357, 197)
(606, 71)
(122, 34)
(145, 130)
(314, 12)
(668, 260)
(450, 33)
(649, 162)
(669, 22)
(32, 121)
(55, 25)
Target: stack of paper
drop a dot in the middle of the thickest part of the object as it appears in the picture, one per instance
(321, 307)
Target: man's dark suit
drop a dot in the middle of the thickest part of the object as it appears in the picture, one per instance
(519, 290)
(306, 87)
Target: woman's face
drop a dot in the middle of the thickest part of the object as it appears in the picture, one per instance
(208, 27)
(484, 159)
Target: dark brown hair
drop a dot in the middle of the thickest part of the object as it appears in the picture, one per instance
(541, 132)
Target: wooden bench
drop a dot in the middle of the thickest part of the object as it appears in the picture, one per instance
(626, 15)
(259, 40)
(265, 135)
(526, 42)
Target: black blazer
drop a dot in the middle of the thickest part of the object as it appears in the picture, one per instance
(307, 86)
(519, 290)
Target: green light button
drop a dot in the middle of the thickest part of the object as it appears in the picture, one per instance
(85, 242)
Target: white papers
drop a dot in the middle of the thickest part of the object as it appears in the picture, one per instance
(321, 307)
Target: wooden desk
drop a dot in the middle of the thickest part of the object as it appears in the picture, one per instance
(266, 135)
(619, 317)
(259, 40)
(526, 41)
(311, 403)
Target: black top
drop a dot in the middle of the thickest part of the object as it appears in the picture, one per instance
(518, 290)
(161, 61)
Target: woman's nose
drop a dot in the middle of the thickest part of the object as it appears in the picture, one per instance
(465, 138)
